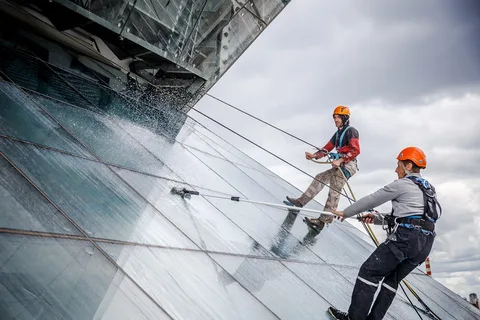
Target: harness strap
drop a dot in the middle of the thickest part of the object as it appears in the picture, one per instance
(340, 142)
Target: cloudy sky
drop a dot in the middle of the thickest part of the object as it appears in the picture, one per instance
(410, 73)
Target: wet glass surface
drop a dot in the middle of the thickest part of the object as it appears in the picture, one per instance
(125, 300)
(271, 282)
(21, 118)
(94, 197)
(188, 285)
(226, 150)
(208, 227)
(326, 281)
(24, 208)
(47, 278)
(103, 136)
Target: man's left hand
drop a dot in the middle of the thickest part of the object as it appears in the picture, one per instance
(339, 215)
(337, 163)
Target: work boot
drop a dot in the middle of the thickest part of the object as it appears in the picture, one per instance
(316, 224)
(337, 314)
(295, 202)
(326, 219)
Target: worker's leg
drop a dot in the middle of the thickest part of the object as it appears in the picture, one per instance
(315, 187)
(337, 182)
(380, 263)
(419, 247)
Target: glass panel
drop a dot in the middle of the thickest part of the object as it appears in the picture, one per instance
(436, 298)
(239, 180)
(266, 9)
(109, 10)
(181, 161)
(104, 137)
(277, 287)
(353, 253)
(227, 150)
(189, 137)
(213, 47)
(47, 278)
(94, 197)
(125, 300)
(209, 228)
(452, 295)
(283, 244)
(188, 285)
(165, 24)
(326, 281)
(38, 76)
(21, 118)
(25, 208)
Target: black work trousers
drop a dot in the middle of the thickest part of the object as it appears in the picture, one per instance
(392, 261)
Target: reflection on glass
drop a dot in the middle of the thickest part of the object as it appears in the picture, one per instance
(94, 197)
(125, 300)
(21, 118)
(276, 286)
(24, 208)
(188, 285)
(234, 29)
(47, 278)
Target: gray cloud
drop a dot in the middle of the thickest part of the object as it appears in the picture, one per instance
(348, 53)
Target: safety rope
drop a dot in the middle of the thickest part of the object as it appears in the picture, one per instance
(262, 121)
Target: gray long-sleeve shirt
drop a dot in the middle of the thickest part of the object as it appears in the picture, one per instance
(406, 197)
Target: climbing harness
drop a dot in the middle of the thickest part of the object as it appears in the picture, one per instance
(426, 222)
(430, 211)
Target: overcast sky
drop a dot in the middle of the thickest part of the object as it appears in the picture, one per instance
(410, 73)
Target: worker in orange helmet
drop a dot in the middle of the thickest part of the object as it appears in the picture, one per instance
(411, 233)
(344, 166)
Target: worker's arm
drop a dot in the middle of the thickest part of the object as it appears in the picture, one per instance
(326, 149)
(387, 193)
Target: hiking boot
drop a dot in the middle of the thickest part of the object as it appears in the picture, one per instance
(295, 202)
(325, 218)
(337, 314)
(316, 224)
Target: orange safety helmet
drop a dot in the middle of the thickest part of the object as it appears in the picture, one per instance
(342, 110)
(414, 154)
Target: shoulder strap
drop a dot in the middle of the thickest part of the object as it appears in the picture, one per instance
(341, 136)
(429, 199)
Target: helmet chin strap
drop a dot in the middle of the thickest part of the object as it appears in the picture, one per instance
(404, 169)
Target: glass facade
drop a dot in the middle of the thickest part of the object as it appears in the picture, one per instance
(90, 229)
(202, 36)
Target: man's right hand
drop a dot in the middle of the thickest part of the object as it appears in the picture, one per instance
(308, 155)
(368, 218)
